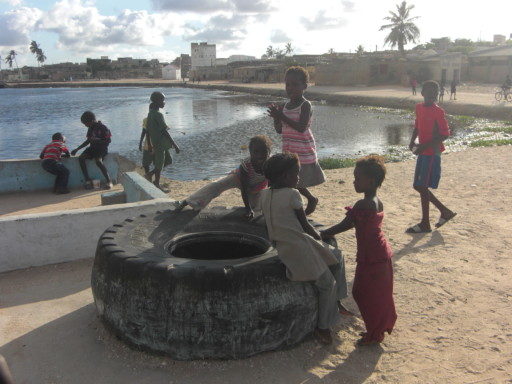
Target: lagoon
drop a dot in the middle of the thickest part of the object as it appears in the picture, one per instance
(210, 126)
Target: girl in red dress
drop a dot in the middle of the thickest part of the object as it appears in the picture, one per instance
(373, 282)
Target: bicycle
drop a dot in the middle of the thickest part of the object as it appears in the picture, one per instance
(503, 94)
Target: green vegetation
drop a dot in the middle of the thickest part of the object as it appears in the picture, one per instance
(401, 26)
(500, 130)
(490, 143)
(462, 120)
(335, 163)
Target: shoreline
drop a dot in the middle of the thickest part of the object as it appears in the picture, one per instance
(387, 97)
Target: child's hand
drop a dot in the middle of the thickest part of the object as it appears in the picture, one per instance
(177, 149)
(316, 235)
(324, 236)
(73, 152)
(274, 111)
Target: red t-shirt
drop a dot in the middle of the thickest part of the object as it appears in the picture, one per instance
(426, 117)
(54, 150)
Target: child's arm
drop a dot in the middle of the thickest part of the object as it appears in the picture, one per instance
(244, 184)
(308, 228)
(437, 139)
(84, 144)
(143, 133)
(166, 132)
(305, 116)
(346, 224)
(273, 111)
(65, 152)
(41, 155)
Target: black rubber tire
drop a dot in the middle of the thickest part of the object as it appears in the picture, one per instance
(498, 95)
(509, 97)
(192, 308)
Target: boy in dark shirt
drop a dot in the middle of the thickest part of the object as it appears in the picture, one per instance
(51, 155)
(98, 139)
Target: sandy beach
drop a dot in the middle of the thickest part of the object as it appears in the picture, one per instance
(452, 293)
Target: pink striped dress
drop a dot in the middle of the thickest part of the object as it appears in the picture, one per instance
(303, 144)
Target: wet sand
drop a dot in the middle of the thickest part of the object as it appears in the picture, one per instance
(452, 292)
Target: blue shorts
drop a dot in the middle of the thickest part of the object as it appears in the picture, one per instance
(428, 171)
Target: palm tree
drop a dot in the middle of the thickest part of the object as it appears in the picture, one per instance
(40, 57)
(11, 58)
(36, 50)
(288, 48)
(403, 29)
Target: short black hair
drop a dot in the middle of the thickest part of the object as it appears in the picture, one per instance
(87, 117)
(298, 71)
(430, 86)
(373, 166)
(262, 141)
(57, 136)
(157, 96)
(277, 165)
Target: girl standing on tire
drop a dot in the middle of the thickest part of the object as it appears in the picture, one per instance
(373, 283)
(293, 122)
(298, 244)
(248, 177)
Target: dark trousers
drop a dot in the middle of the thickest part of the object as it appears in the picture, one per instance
(58, 169)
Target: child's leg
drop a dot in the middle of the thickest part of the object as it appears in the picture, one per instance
(312, 200)
(327, 300)
(5, 373)
(103, 169)
(202, 197)
(83, 166)
(61, 182)
(338, 271)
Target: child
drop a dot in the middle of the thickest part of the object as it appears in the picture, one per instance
(147, 155)
(373, 282)
(293, 122)
(414, 84)
(453, 89)
(159, 139)
(248, 177)
(442, 90)
(431, 129)
(98, 139)
(51, 155)
(298, 244)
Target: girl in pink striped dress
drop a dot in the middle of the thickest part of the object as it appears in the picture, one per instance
(293, 122)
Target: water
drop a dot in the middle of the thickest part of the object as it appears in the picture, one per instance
(209, 126)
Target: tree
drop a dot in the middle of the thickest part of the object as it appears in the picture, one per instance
(270, 52)
(11, 58)
(359, 50)
(36, 50)
(403, 29)
(288, 49)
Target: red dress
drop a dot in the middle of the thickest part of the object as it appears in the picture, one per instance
(373, 283)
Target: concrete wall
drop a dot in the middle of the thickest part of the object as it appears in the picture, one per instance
(27, 175)
(48, 238)
(137, 188)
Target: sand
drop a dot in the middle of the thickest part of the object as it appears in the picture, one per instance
(453, 295)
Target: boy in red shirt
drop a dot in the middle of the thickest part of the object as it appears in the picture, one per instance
(431, 129)
(51, 155)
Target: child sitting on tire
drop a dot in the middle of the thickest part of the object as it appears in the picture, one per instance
(299, 245)
(248, 177)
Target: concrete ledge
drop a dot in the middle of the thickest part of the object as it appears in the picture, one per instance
(48, 238)
(111, 198)
(137, 188)
(27, 174)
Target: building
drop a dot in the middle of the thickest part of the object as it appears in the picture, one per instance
(499, 39)
(171, 72)
(237, 58)
(221, 61)
(491, 65)
(202, 54)
(271, 73)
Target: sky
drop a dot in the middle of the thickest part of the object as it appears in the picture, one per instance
(72, 30)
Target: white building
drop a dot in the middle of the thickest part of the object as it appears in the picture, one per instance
(203, 54)
(221, 61)
(171, 72)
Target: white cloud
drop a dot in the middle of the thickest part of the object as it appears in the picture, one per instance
(17, 25)
(279, 36)
(12, 3)
(322, 22)
(209, 6)
(82, 28)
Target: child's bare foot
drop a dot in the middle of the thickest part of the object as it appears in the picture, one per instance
(179, 205)
(344, 311)
(323, 335)
(109, 185)
(310, 208)
(364, 342)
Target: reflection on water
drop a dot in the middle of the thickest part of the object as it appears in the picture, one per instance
(209, 126)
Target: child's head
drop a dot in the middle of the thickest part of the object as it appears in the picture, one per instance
(158, 99)
(259, 148)
(282, 170)
(88, 118)
(369, 173)
(430, 91)
(58, 136)
(296, 80)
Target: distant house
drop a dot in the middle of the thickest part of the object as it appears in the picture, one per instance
(442, 67)
(259, 74)
(171, 72)
(490, 65)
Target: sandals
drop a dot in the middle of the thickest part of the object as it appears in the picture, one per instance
(443, 220)
(417, 229)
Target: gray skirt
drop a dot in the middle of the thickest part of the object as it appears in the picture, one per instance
(310, 175)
